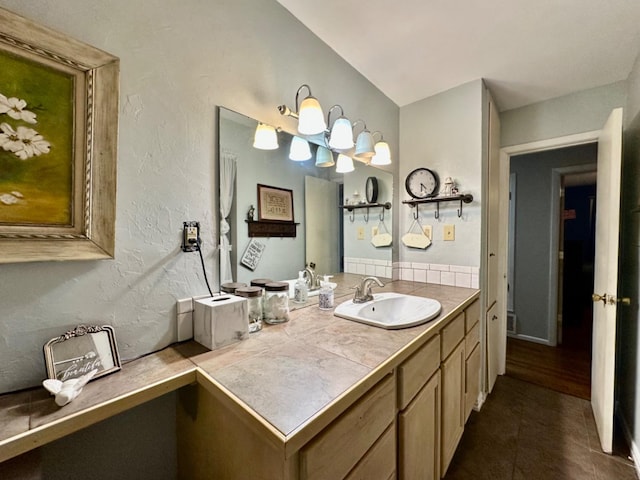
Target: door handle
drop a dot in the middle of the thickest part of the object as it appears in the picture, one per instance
(610, 299)
(624, 300)
(599, 298)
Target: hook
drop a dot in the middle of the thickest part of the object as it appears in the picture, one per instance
(352, 215)
(416, 214)
(437, 212)
(382, 214)
(460, 209)
(366, 218)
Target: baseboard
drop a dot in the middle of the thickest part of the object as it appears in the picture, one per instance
(633, 446)
(529, 338)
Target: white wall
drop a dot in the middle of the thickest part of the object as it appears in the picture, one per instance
(574, 113)
(179, 59)
(355, 181)
(444, 133)
(628, 373)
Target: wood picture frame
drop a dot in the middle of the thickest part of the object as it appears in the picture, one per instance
(275, 204)
(58, 145)
(81, 350)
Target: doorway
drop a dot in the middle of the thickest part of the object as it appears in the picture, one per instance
(552, 263)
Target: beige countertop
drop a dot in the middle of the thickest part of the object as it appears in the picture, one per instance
(287, 376)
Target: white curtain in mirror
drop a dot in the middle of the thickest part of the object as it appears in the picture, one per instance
(227, 180)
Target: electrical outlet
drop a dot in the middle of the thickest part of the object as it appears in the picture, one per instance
(190, 236)
(360, 233)
(449, 233)
(428, 231)
(374, 231)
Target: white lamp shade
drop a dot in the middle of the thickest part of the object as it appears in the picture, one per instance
(310, 118)
(341, 137)
(364, 146)
(265, 137)
(324, 157)
(345, 164)
(300, 150)
(383, 154)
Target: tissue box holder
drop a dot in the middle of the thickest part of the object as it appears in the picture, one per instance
(220, 320)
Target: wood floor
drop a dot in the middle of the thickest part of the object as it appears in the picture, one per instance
(563, 369)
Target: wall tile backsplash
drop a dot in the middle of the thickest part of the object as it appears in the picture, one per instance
(454, 275)
(367, 266)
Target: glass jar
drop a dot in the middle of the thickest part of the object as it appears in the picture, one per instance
(276, 303)
(254, 306)
(260, 282)
(231, 287)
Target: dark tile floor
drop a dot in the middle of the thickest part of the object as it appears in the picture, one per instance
(529, 432)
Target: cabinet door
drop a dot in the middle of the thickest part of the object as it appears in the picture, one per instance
(419, 434)
(472, 380)
(452, 375)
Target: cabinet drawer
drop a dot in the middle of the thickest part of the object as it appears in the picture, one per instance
(472, 315)
(340, 446)
(472, 339)
(451, 335)
(380, 461)
(414, 373)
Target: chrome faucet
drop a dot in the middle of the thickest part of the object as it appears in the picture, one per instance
(363, 291)
(311, 276)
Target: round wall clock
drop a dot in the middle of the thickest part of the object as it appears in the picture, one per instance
(422, 183)
(372, 190)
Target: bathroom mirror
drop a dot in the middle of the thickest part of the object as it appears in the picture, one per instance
(333, 238)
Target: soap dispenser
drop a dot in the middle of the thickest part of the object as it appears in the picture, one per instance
(300, 289)
(325, 300)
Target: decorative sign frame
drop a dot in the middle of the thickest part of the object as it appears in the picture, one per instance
(81, 350)
(69, 129)
(252, 254)
(275, 203)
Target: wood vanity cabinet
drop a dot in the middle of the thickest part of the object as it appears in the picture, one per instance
(419, 416)
(215, 440)
(472, 350)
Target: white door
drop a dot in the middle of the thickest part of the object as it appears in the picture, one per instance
(606, 277)
(322, 229)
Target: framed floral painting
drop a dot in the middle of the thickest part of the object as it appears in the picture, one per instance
(58, 145)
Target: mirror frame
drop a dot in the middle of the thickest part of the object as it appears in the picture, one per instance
(85, 361)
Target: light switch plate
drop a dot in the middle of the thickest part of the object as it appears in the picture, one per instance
(360, 233)
(449, 233)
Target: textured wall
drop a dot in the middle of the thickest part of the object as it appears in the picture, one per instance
(179, 60)
(574, 113)
(444, 133)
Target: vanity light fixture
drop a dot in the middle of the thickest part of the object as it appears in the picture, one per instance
(265, 137)
(324, 157)
(309, 113)
(341, 136)
(345, 164)
(299, 150)
(383, 153)
(364, 144)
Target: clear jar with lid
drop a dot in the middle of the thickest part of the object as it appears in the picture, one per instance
(254, 306)
(276, 302)
(231, 287)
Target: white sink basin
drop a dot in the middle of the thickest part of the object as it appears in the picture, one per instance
(391, 310)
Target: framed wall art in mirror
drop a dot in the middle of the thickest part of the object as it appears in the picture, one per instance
(77, 352)
(275, 203)
(58, 145)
